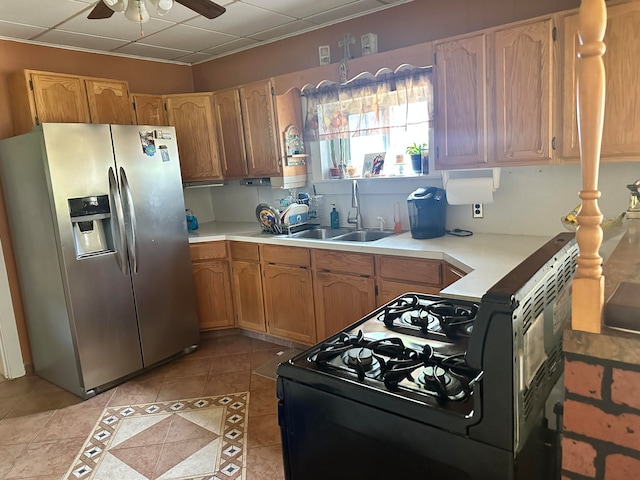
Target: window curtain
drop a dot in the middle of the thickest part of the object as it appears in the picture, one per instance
(368, 104)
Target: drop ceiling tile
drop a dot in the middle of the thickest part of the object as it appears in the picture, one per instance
(242, 20)
(80, 40)
(116, 26)
(39, 13)
(298, 8)
(17, 30)
(184, 37)
(143, 50)
(342, 13)
(259, 20)
(239, 44)
(193, 58)
(283, 30)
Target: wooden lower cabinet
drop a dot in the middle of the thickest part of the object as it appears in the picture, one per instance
(212, 278)
(300, 294)
(288, 302)
(288, 298)
(388, 290)
(341, 300)
(344, 289)
(398, 275)
(246, 273)
(451, 274)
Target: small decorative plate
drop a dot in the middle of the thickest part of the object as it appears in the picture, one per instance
(268, 216)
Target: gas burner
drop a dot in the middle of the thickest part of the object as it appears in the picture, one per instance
(440, 317)
(445, 385)
(360, 356)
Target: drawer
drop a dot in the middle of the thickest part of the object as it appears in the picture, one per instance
(351, 263)
(389, 289)
(208, 250)
(244, 251)
(410, 270)
(285, 255)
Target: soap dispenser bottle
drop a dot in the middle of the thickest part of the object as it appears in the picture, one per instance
(335, 217)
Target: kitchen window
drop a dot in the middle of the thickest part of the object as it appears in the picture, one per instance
(369, 115)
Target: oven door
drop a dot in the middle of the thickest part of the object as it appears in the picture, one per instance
(328, 436)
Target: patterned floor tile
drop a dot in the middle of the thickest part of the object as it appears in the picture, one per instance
(167, 440)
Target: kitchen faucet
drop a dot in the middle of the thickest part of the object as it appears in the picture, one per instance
(355, 203)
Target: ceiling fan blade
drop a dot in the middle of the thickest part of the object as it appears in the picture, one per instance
(206, 8)
(100, 11)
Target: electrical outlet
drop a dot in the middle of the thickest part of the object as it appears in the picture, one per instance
(477, 211)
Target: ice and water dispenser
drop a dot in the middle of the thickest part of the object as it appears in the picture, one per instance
(90, 217)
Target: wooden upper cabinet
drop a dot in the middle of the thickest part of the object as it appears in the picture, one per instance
(461, 106)
(38, 97)
(192, 116)
(620, 135)
(149, 109)
(260, 129)
(230, 131)
(109, 101)
(524, 84)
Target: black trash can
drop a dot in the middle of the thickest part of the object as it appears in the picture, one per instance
(427, 212)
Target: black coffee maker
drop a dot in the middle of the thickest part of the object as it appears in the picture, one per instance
(427, 212)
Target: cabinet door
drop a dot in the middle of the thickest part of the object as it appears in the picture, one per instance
(524, 84)
(213, 291)
(59, 98)
(340, 300)
(228, 118)
(260, 130)
(247, 292)
(288, 301)
(461, 110)
(192, 116)
(109, 101)
(149, 109)
(620, 137)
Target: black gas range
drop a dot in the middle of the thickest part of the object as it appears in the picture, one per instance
(434, 388)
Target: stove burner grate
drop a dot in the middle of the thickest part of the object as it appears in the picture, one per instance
(389, 361)
(441, 317)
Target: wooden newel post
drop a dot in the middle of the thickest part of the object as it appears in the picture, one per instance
(588, 284)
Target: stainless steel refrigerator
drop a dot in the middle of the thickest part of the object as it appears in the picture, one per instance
(98, 226)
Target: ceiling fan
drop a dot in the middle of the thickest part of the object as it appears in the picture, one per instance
(136, 10)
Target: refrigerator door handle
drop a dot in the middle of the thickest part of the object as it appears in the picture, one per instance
(130, 213)
(118, 225)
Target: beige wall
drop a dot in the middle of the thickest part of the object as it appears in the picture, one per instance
(412, 23)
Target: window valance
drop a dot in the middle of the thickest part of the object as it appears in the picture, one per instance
(368, 103)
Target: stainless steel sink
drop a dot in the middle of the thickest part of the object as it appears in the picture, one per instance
(363, 236)
(342, 234)
(320, 233)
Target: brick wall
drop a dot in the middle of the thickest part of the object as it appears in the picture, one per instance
(601, 426)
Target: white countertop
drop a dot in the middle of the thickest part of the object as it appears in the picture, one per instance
(485, 257)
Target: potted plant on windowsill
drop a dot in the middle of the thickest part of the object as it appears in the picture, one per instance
(415, 152)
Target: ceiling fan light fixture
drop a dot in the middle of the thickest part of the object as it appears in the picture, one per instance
(137, 11)
(116, 5)
(162, 7)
